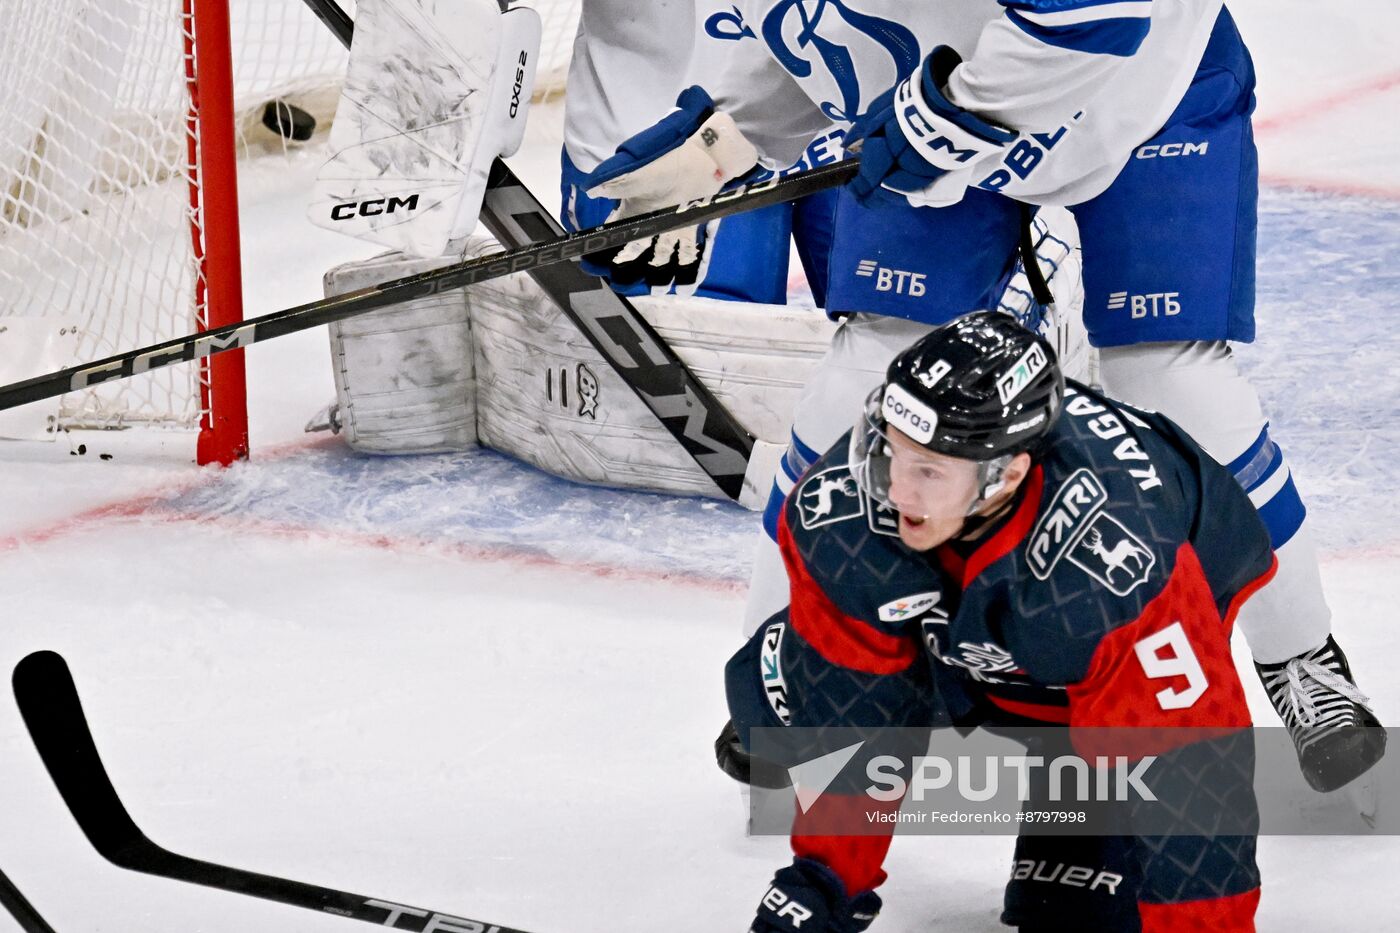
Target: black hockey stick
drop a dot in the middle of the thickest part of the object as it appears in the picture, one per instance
(686, 407)
(673, 394)
(48, 701)
(21, 909)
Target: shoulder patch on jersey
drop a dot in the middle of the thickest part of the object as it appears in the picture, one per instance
(828, 497)
(1113, 555)
(908, 607)
(1076, 503)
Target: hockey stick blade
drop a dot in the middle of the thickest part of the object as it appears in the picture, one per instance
(49, 704)
(20, 908)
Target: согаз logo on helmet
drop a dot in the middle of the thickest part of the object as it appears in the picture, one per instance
(907, 413)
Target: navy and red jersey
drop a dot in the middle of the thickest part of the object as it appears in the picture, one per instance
(1104, 596)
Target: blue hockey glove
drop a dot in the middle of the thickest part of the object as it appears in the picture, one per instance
(807, 897)
(691, 154)
(912, 137)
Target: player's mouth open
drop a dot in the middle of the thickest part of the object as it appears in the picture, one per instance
(913, 521)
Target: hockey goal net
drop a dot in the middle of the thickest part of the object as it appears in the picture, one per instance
(123, 124)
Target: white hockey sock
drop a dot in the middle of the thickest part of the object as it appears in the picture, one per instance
(1198, 385)
(831, 400)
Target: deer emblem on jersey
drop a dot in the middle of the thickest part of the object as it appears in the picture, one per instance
(825, 495)
(1117, 557)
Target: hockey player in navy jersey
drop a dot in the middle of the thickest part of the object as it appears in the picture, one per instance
(956, 483)
(1134, 115)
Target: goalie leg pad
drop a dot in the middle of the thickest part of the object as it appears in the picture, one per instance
(547, 397)
(404, 376)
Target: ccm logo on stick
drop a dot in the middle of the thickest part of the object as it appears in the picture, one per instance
(374, 207)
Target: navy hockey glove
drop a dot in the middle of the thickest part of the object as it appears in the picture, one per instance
(913, 136)
(743, 767)
(807, 897)
(691, 154)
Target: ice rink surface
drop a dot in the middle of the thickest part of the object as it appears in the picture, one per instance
(456, 683)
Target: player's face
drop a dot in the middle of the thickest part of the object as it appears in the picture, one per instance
(932, 492)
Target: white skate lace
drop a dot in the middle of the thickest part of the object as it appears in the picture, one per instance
(1316, 704)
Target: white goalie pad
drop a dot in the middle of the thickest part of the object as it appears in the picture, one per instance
(500, 363)
(404, 376)
(434, 92)
(547, 397)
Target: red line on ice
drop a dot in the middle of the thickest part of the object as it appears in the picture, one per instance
(1340, 98)
(1331, 186)
(496, 553)
(145, 506)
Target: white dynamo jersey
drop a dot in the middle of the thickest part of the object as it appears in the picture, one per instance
(1084, 82)
(631, 59)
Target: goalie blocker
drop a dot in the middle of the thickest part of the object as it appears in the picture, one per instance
(498, 364)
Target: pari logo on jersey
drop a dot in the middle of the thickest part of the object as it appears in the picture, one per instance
(829, 497)
(1076, 527)
(909, 415)
(770, 668)
(1015, 380)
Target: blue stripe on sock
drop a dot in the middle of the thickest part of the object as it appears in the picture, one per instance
(1256, 471)
(1283, 514)
(808, 455)
(1243, 460)
(773, 511)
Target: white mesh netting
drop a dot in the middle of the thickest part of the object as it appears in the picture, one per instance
(95, 206)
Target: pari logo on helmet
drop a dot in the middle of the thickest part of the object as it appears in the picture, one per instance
(903, 411)
(1030, 365)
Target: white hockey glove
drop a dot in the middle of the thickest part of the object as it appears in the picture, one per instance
(691, 154)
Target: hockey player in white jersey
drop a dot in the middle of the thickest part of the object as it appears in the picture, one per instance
(1134, 114)
(630, 61)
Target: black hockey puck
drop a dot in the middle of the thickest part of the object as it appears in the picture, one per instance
(288, 121)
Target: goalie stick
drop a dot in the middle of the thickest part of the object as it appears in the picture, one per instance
(48, 702)
(19, 908)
